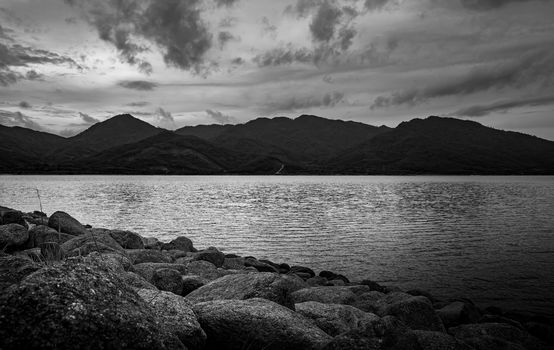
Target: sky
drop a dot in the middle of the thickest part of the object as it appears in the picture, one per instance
(67, 64)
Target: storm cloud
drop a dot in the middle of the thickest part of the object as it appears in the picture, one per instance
(502, 106)
(537, 67)
(174, 26)
(138, 85)
(292, 103)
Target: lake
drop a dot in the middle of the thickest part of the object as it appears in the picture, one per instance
(487, 238)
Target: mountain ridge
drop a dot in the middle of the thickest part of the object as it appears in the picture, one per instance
(307, 144)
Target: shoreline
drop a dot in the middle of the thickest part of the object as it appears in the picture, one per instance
(209, 281)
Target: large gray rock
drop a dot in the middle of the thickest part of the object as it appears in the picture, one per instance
(41, 234)
(233, 263)
(416, 313)
(496, 336)
(63, 222)
(206, 269)
(139, 256)
(12, 236)
(369, 301)
(136, 281)
(180, 243)
(335, 319)
(169, 280)
(78, 306)
(146, 270)
(459, 312)
(192, 282)
(89, 242)
(428, 340)
(176, 316)
(212, 255)
(246, 286)
(12, 217)
(257, 324)
(258, 265)
(127, 239)
(14, 268)
(326, 295)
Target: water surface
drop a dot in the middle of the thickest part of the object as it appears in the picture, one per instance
(487, 238)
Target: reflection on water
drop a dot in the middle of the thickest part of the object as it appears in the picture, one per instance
(489, 238)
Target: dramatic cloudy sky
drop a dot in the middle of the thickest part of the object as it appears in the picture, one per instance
(66, 64)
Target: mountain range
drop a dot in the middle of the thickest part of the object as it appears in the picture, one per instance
(304, 145)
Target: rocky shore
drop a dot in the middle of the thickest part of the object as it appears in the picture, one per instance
(65, 285)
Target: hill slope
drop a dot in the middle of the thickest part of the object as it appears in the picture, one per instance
(447, 146)
(119, 130)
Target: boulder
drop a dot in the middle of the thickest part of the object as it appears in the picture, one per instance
(205, 269)
(246, 286)
(373, 286)
(258, 265)
(127, 239)
(496, 335)
(63, 222)
(233, 263)
(317, 281)
(369, 301)
(211, 255)
(354, 340)
(78, 306)
(459, 312)
(302, 270)
(36, 218)
(326, 295)
(256, 324)
(192, 282)
(335, 319)
(152, 243)
(176, 316)
(179, 243)
(41, 233)
(33, 254)
(330, 276)
(416, 313)
(429, 340)
(146, 270)
(136, 281)
(140, 256)
(12, 237)
(13, 217)
(14, 268)
(169, 280)
(544, 332)
(420, 292)
(87, 243)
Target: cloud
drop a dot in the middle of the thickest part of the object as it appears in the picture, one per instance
(88, 119)
(483, 5)
(219, 117)
(224, 37)
(237, 61)
(302, 7)
(227, 3)
(8, 118)
(536, 67)
(302, 103)
(173, 26)
(502, 106)
(284, 55)
(164, 119)
(24, 104)
(373, 5)
(324, 22)
(138, 104)
(138, 85)
(33, 75)
(19, 55)
(268, 28)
